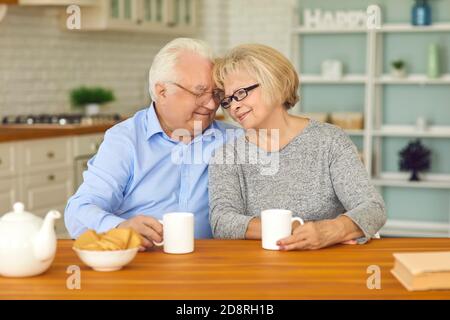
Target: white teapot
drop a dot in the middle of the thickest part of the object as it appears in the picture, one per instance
(27, 242)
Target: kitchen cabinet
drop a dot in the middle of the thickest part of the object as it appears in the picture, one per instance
(48, 190)
(86, 145)
(7, 157)
(57, 2)
(177, 17)
(44, 173)
(8, 194)
(43, 154)
(176, 14)
(8, 177)
(158, 16)
(45, 179)
(84, 148)
(121, 14)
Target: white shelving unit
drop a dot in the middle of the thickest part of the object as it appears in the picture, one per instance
(400, 179)
(403, 27)
(411, 184)
(413, 79)
(347, 79)
(374, 130)
(305, 30)
(388, 27)
(411, 131)
(355, 132)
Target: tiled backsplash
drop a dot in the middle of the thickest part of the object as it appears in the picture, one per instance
(40, 62)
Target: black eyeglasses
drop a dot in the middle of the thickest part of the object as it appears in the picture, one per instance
(203, 98)
(238, 95)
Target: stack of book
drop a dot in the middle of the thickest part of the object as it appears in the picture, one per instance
(423, 271)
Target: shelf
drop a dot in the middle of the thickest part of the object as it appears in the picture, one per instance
(305, 30)
(388, 27)
(405, 27)
(411, 184)
(411, 131)
(401, 179)
(354, 132)
(414, 228)
(58, 2)
(346, 79)
(413, 79)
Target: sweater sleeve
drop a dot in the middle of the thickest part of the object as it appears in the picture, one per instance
(226, 203)
(362, 202)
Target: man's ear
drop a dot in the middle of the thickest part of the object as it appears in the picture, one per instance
(160, 90)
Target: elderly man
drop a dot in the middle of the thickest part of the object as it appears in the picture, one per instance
(149, 164)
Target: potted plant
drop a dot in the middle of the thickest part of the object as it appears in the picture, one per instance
(398, 69)
(90, 99)
(415, 158)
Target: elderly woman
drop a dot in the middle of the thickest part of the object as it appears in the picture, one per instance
(318, 174)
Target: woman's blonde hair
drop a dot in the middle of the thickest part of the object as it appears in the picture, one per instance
(274, 72)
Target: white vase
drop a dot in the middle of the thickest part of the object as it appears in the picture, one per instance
(421, 123)
(398, 73)
(92, 109)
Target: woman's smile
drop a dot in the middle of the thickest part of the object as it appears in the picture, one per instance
(242, 115)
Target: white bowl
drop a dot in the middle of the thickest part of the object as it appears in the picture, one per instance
(106, 260)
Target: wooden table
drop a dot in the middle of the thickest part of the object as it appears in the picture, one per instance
(232, 269)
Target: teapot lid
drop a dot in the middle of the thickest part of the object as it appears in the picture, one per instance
(19, 214)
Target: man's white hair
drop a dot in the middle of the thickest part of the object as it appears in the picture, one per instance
(163, 66)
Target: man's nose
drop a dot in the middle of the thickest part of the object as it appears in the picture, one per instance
(211, 105)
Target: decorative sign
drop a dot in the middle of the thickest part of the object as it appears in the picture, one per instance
(373, 17)
(351, 19)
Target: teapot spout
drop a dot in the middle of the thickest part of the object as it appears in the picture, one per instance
(44, 245)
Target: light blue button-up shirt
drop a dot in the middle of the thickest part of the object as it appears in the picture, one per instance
(139, 170)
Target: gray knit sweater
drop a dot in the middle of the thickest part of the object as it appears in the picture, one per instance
(318, 175)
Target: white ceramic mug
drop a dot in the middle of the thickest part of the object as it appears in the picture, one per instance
(178, 232)
(276, 225)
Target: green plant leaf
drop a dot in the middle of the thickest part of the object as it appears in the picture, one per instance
(81, 96)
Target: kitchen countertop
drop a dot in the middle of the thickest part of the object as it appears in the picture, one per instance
(16, 132)
(234, 269)
(10, 133)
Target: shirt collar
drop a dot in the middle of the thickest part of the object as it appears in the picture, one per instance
(154, 126)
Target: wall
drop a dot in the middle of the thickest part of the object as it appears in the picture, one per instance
(262, 21)
(40, 61)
